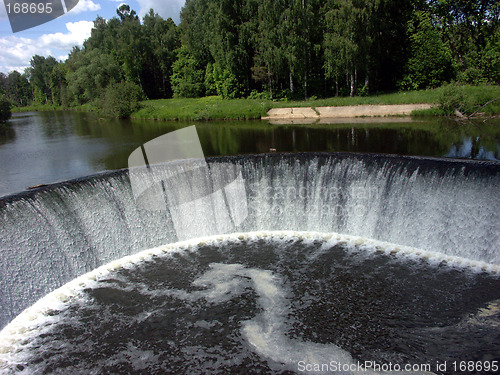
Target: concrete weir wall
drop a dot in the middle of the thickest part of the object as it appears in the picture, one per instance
(344, 111)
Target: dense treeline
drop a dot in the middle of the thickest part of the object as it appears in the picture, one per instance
(270, 48)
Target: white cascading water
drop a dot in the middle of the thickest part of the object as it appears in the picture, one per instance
(54, 235)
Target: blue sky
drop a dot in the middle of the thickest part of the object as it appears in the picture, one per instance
(57, 37)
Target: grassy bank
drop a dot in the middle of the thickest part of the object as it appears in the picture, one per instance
(216, 108)
(467, 99)
(208, 108)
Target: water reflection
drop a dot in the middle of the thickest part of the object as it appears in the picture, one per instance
(52, 146)
(471, 148)
(7, 134)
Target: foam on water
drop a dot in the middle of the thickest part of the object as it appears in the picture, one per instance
(266, 333)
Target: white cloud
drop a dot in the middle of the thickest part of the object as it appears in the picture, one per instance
(17, 51)
(85, 5)
(165, 8)
(78, 32)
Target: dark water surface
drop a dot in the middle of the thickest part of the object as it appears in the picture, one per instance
(269, 306)
(41, 148)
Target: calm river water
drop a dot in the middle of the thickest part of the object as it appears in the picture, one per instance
(46, 147)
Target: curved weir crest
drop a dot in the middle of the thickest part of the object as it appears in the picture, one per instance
(55, 234)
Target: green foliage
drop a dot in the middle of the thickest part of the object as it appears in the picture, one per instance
(121, 99)
(259, 95)
(452, 98)
(18, 89)
(212, 77)
(469, 99)
(89, 73)
(206, 108)
(40, 78)
(5, 106)
(187, 77)
(289, 48)
(430, 63)
(343, 40)
(470, 28)
(162, 40)
(491, 58)
(222, 82)
(58, 85)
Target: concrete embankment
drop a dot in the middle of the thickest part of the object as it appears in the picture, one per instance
(318, 113)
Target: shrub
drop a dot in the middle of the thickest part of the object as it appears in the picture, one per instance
(121, 99)
(222, 82)
(468, 99)
(452, 98)
(260, 95)
(5, 106)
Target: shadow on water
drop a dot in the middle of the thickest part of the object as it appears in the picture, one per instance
(7, 134)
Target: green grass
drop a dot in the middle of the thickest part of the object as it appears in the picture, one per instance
(410, 97)
(208, 108)
(469, 98)
(472, 97)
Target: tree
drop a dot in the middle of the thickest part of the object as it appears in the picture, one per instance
(430, 63)
(291, 48)
(269, 61)
(18, 89)
(121, 99)
(3, 83)
(341, 43)
(126, 14)
(219, 33)
(389, 50)
(468, 26)
(58, 85)
(122, 39)
(40, 72)
(89, 73)
(187, 75)
(491, 58)
(164, 39)
(5, 106)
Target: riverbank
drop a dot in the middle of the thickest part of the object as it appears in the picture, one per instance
(439, 102)
(216, 108)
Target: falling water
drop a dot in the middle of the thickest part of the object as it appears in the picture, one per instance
(50, 236)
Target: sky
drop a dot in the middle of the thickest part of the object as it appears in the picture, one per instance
(57, 37)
